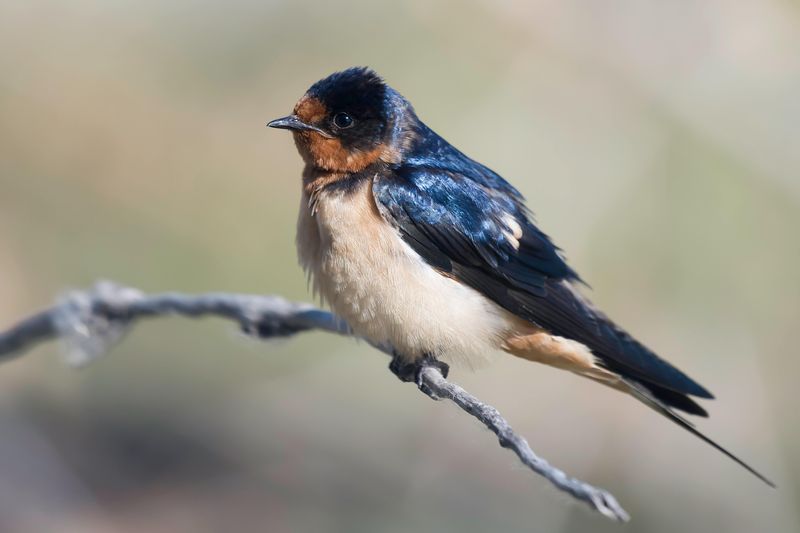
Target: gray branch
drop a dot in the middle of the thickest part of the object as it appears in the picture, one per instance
(90, 323)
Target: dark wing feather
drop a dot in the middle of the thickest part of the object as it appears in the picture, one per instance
(454, 213)
(460, 225)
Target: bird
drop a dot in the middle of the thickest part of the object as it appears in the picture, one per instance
(417, 246)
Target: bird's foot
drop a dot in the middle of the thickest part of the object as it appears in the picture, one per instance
(412, 372)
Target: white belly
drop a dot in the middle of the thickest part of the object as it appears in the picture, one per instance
(387, 293)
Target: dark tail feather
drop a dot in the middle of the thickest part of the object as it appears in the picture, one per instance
(676, 400)
(649, 398)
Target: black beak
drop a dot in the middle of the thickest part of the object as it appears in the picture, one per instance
(293, 123)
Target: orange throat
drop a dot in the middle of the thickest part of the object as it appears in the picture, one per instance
(329, 154)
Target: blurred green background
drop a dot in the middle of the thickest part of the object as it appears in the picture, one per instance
(657, 142)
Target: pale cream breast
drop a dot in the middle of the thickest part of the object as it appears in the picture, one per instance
(384, 290)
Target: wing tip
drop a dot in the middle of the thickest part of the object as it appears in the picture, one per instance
(697, 390)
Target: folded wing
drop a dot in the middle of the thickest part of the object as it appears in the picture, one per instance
(473, 231)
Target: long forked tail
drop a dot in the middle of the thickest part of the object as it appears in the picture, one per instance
(641, 393)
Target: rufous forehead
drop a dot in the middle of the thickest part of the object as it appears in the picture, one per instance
(310, 109)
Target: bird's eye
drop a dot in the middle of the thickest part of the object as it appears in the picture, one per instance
(342, 121)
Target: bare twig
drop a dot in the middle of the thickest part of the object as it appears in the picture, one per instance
(90, 323)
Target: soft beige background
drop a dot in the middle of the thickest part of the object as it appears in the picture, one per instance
(658, 143)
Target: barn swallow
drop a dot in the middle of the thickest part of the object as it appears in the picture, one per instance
(417, 246)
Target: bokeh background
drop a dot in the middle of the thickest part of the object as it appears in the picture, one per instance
(657, 142)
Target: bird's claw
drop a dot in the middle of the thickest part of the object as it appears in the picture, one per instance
(412, 372)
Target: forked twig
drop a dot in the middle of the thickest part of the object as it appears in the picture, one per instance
(91, 322)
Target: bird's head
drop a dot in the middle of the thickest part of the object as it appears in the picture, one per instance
(350, 120)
